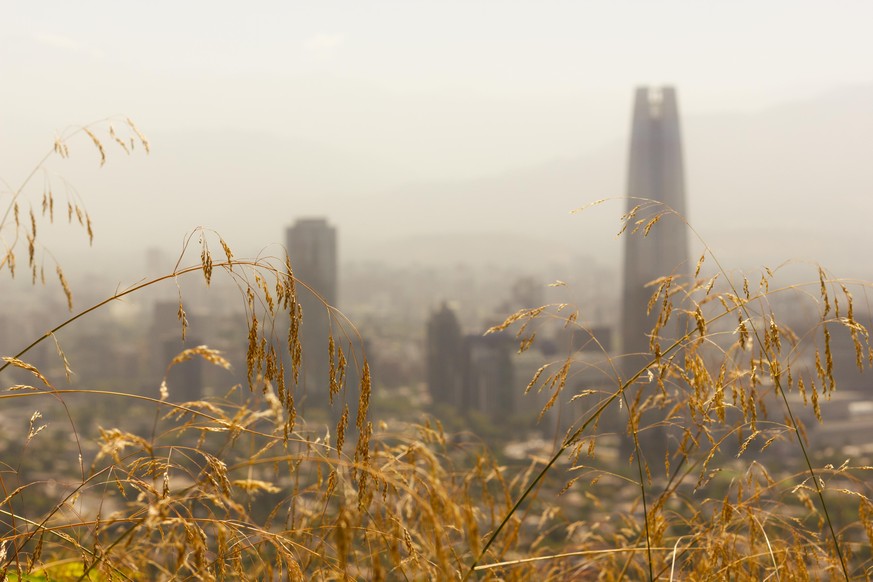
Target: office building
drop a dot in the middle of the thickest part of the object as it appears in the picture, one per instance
(312, 249)
(656, 185)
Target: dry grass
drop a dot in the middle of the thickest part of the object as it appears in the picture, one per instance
(240, 486)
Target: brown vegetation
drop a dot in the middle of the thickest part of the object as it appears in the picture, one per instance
(242, 487)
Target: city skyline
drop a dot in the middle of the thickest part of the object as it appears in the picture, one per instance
(388, 127)
(441, 291)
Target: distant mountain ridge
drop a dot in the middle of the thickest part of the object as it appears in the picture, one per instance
(782, 181)
(753, 179)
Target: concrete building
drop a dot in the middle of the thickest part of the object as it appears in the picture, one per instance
(656, 185)
(446, 359)
(489, 378)
(470, 372)
(656, 199)
(312, 249)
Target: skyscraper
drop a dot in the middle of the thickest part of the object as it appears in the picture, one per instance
(469, 372)
(656, 184)
(445, 358)
(312, 249)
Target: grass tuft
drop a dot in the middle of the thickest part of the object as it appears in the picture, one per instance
(698, 464)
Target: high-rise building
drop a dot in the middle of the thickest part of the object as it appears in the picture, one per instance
(446, 358)
(312, 249)
(656, 185)
(656, 191)
(469, 372)
(489, 378)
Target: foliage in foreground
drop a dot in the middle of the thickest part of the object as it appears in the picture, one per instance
(241, 486)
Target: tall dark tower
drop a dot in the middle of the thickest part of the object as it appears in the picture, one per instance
(656, 183)
(446, 358)
(312, 250)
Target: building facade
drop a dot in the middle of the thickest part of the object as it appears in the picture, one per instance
(470, 372)
(312, 250)
(655, 186)
(658, 248)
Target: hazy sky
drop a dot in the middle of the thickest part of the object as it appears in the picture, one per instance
(399, 91)
(520, 81)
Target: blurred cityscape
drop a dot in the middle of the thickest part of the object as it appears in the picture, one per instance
(564, 291)
(424, 326)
